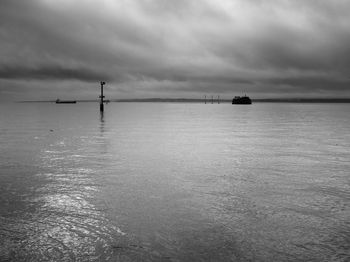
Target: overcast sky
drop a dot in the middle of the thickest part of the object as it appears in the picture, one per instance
(174, 48)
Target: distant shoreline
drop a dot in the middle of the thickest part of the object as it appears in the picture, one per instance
(184, 100)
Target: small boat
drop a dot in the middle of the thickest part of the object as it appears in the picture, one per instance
(58, 101)
(241, 100)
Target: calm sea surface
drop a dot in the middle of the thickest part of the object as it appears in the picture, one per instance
(174, 182)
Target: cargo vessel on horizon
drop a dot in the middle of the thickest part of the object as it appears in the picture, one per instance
(58, 101)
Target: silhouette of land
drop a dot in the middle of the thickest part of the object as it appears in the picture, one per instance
(190, 100)
(262, 100)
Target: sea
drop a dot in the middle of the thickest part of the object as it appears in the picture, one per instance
(174, 182)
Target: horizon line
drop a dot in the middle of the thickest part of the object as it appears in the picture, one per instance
(155, 99)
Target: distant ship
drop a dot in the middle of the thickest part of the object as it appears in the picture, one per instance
(65, 101)
(241, 100)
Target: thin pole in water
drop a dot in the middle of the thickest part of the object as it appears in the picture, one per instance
(102, 96)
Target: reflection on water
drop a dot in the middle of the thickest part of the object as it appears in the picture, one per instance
(175, 182)
(55, 217)
(102, 120)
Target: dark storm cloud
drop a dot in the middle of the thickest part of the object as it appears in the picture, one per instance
(51, 72)
(313, 83)
(159, 47)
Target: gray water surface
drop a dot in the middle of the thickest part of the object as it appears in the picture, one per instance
(174, 182)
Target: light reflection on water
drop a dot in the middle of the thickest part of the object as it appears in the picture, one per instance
(175, 182)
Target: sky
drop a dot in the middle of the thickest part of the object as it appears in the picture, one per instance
(174, 48)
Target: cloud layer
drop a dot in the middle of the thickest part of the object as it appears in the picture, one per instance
(163, 48)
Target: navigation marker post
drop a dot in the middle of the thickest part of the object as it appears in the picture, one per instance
(102, 96)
